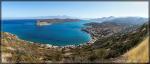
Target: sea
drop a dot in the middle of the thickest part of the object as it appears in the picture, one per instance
(58, 34)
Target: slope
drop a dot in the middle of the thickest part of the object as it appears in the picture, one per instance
(139, 53)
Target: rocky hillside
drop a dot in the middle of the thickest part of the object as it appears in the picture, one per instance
(24, 51)
(106, 29)
(120, 42)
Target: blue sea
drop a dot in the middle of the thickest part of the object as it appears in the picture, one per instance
(60, 34)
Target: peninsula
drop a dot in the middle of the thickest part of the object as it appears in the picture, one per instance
(43, 22)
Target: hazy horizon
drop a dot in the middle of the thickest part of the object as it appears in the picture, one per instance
(74, 9)
(46, 17)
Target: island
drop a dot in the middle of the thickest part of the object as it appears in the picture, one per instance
(43, 22)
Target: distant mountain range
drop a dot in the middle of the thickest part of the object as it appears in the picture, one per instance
(103, 19)
(43, 17)
(119, 20)
(53, 17)
(122, 20)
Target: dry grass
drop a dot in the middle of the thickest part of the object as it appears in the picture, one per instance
(139, 54)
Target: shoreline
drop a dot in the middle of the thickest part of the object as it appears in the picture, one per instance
(55, 46)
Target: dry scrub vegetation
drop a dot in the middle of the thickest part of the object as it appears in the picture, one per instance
(139, 53)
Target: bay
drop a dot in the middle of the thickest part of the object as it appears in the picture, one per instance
(59, 34)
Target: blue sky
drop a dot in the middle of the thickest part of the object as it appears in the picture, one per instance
(80, 9)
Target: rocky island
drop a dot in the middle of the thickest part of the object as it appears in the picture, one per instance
(42, 22)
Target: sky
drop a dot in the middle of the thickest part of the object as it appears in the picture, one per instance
(79, 9)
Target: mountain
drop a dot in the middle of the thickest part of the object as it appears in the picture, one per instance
(123, 20)
(103, 19)
(53, 17)
(129, 20)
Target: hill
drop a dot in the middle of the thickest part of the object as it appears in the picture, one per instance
(140, 53)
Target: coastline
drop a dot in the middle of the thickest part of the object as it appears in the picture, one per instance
(55, 46)
(43, 23)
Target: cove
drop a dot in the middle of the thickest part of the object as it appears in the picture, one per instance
(59, 34)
